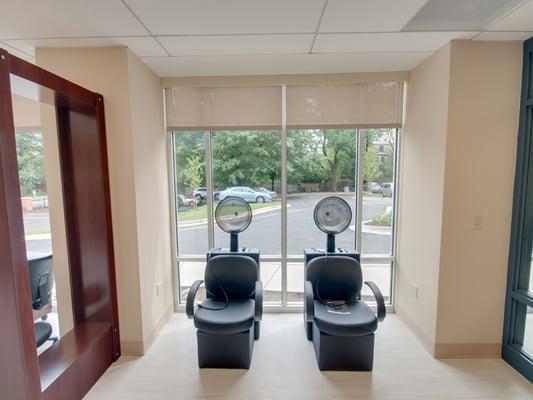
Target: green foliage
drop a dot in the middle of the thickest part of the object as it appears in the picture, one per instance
(189, 151)
(384, 219)
(316, 156)
(371, 166)
(248, 158)
(193, 172)
(30, 156)
(253, 158)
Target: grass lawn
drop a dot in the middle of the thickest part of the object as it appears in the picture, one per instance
(201, 211)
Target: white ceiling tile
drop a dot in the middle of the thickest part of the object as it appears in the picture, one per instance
(384, 42)
(66, 18)
(368, 15)
(284, 64)
(179, 17)
(237, 45)
(142, 46)
(520, 19)
(496, 36)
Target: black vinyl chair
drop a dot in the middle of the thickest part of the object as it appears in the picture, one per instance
(338, 322)
(41, 283)
(228, 320)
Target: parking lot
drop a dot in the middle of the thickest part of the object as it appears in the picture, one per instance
(265, 229)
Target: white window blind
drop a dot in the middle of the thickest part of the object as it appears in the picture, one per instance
(375, 104)
(223, 107)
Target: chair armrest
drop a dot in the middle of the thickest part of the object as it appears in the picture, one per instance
(379, 300)
(258, 300)
(309, 302)
(189, 306)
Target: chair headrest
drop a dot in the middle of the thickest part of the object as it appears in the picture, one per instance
(234, 274)
(335, 277)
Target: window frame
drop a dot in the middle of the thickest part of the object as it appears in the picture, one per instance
(283, 258)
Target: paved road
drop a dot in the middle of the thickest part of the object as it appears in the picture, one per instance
(265, 230)
(37, 221)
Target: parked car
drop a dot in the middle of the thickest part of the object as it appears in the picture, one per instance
(372, 187)
(387, 189)
(246, 193)
(200, 193)
(184, 201)
(264, 190)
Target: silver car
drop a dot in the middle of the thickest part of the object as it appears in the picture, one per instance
(246, 193)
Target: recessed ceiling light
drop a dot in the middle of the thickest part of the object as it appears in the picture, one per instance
(460, 15)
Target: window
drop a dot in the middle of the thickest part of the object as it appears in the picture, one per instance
(283, 163)
(208, 166)
(378, 191)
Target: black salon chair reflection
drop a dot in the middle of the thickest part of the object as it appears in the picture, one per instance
(41, 284)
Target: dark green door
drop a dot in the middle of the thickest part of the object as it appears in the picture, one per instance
(517, 347)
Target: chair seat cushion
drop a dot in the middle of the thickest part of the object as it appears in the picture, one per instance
(354, 319)
(237, 317)
(43, 331)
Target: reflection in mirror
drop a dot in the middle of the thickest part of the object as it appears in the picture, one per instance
(43, 216)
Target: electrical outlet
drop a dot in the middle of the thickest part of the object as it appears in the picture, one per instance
(157, 289)
(477, 223)
(414, 290)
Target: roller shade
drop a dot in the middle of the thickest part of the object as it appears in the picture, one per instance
(223, 107)
(377, 104)
(374, 104)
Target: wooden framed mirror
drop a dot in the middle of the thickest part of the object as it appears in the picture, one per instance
(71, 365)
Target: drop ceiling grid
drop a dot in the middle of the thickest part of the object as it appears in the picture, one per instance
(311, 27)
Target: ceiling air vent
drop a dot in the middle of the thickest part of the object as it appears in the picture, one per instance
(460, 15)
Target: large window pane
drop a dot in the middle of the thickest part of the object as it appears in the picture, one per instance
(247, 164)
(380, 274)
(320, 163)
(523, 335)
(191, 192)
(190, 271)
(378, 190)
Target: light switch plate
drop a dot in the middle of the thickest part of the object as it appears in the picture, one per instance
(477, 223)
(414, 290)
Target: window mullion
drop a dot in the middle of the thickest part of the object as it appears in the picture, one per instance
(209, 187)
(283, 150)
(359, 191)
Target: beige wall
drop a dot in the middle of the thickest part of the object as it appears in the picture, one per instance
(114, 73)
(151, 184)
(423, 146)
(471, 155)
(480, 164)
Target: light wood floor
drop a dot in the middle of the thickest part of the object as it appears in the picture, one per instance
(284, 367)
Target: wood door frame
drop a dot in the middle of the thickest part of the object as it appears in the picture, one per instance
(73, 364)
